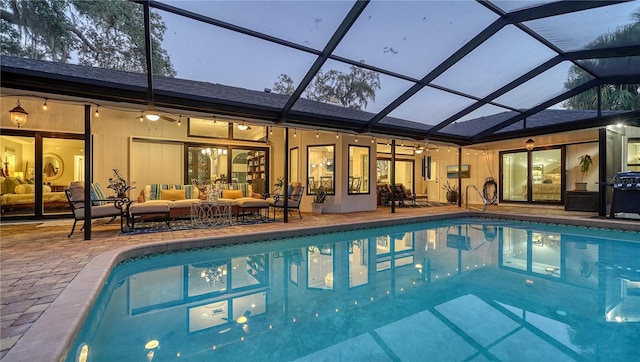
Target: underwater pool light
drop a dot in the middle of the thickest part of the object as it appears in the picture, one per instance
(152, 344)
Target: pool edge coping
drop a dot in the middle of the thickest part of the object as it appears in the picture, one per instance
(51, 337)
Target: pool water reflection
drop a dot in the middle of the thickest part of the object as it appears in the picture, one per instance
(454, 290)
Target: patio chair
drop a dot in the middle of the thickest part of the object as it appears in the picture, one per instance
(327, 183)
(402, 195)
(311, 184)
(101, 207)
(354, 184)
(295, 192)
(384, 192)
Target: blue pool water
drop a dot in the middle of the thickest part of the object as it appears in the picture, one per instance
(466, 289)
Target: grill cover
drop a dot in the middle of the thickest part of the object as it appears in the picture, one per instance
(626, 193)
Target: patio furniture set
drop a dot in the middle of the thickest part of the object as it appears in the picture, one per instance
(169, 202)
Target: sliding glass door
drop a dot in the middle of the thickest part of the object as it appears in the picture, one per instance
(532, 176)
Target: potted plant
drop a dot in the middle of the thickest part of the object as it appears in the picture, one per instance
(318, 199)
(452, 192)
(585, 163)
(119, 184)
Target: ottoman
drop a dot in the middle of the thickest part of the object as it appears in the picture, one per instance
(150, 208)
(250, 204)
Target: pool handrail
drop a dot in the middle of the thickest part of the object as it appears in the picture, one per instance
(484, 201)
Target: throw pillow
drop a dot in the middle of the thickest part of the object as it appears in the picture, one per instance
(231, 194)
(9, 185)
(155, 191)
(76, 188)
(295, 192)
(97, 194)
(190, 191)
(172, 195)
(25, 189)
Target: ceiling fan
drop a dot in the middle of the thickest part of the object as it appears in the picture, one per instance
(154, 116)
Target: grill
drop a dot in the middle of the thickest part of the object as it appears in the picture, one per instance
(627, 181)
(626, 193)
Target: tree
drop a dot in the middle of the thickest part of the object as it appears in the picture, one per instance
(284, 85)
(106, 33)
(614, 97)
(352, 90)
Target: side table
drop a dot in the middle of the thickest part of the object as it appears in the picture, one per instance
(208, 214)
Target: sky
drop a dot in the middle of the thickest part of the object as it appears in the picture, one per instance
(409, 38)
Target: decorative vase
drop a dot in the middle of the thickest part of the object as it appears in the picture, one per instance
(581, 186)
(316, 208)
(452, 197)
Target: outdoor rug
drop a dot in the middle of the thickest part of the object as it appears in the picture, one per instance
(148, 227)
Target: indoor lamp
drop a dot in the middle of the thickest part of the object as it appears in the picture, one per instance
(18, 115)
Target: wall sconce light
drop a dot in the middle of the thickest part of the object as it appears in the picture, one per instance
(243, 126)
(180, 121)
(270, 131)
(18, 115)
(530, 144)
(356, 138)
(419, 150)
(294, 133)
(317, 135)
(44, 105)
(337, 135)
(97, 113)
(373, 140)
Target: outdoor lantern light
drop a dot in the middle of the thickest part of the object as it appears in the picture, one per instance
(530, 144)
(418, 150)
(18, 115)
(243, 126)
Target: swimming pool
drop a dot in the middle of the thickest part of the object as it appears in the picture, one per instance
(440, 290)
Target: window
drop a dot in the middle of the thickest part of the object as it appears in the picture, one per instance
(244, 131)
(320, 266)
(358, 181)
(208, 164)
(321, 168)
(294, 159)
(358, 262)
(198, 127)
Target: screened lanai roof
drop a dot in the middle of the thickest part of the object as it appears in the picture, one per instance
(460, 71)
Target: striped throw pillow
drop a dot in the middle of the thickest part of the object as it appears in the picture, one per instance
(97, 193)
(156, 191)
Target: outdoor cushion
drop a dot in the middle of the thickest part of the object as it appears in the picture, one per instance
(232, 194)
(246, 188)
(172, 195)
(155, 191)
(149, 208)
(97, 194)
(190, 191)
(247, 202)
(98, 211)
(76, 188)
(185, 203)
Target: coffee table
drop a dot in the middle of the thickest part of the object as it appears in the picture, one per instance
(210, 214)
